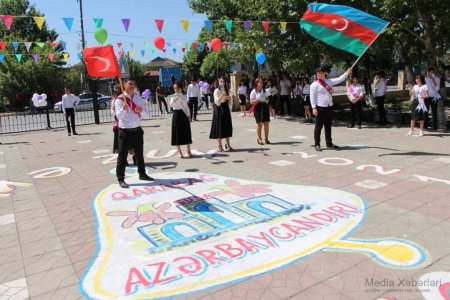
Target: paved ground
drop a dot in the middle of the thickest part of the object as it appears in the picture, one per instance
(395, 227)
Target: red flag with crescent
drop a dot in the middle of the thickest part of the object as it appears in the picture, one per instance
(101, 61)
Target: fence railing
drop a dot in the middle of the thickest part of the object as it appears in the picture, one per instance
(21, 121)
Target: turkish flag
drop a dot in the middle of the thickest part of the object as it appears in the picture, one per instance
(101, 61)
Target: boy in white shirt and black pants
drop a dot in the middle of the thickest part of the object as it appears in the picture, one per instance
(433, 84)
(68, 103)
(321, 95)
(193, 93)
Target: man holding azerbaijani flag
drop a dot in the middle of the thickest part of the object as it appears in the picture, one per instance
(347, 29)
(342, 27)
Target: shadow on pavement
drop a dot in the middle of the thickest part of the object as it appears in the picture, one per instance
(416, 153)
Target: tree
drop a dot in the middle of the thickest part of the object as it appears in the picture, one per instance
(18, 80)
(215, 65)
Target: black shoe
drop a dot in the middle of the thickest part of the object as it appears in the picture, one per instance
(318, 148)
(75, 133)
(123, 184)
(134, 160)
(350, 126)
(69, 134)
(145, 177)
(359, 126)
(333, 146)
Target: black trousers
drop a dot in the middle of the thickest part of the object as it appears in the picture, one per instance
(285, 99)
(356, 112)
(381, 111)
(324, 118)
(193, 106)
(434, 113)
(161, 101)
(130, 138)
(70, 115)
(204, 100)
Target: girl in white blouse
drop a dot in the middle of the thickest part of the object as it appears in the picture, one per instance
(181, 121)
(418, 107)
(221, 126)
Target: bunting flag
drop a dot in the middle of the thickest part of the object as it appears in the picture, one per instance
(53, 44)
(194, 46)
(248, 25)
(174, 50)
(132, 51)
(183, 49)
(3, 45)
(153, 51)
(119, 45)
(2, 57)
(28, 46)
(208, 25)
(342, 27)
(40, 44)
(146, 45)
(51, 56)
(228, 25)
(98, 22)
(36, 57)
(143, 53)
(15, 45)
(39, 22)
(66, 55)
(64, 44)
(164, 50)
(19, 57)
(126, 24)
(201, 47)
(159, 24)
(266, 26)
(7, 20)
(283, 25)
(80, 55)
(68, 22)
(185, 24)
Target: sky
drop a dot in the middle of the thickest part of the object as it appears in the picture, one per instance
(142, 26)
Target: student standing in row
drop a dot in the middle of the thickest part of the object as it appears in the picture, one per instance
(355, 93)
(221, 126)
(418, 107)
(193, 93)
(306, 100)
(379, 87)
(160, 98)
(242, 92)
(271, 93)
(181, 121)
(433, 84)
(285, 91)
(68, 103)
(322, 104)
(259, 100)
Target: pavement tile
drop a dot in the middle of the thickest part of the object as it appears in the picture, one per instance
(11, 271)
(14, 290)
(41, 246)
(45, 262)
(71, 292)
(53, 279)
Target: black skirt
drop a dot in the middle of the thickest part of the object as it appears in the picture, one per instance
(261, 112)
(242, 99)
(221, 126)
(306, 100)
(181, 128)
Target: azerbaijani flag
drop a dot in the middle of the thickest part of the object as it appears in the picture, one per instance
(343, 27)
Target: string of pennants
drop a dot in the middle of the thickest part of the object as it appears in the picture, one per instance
(68, 21)
(170, 47)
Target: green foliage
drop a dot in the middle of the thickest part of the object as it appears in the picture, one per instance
(27, 77)
(215, 65)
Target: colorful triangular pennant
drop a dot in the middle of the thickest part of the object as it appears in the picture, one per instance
(143, 53)
(36, 57)
(266, 26)
(7, 20)
(28, 46)
(68, 22)
(40, 44)
(3, 45)
(39, 22)
(174, 50)
(15, 45)
(80, 55)
(19, 57)
(126, 24)
(208, 25)
(66, 55)
(51, 56)
(159, 24)
(2, 57)
(228, 25)
(98, 22)
(248, 25)
(283, 25)
(185, 24)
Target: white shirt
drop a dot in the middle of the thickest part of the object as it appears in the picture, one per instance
(420, 93)
(433, 87)
(193, 91)
(217, 94)
(356, 92)
(320, 96)
(261, 95)
(68, 101)
(380, 87)
(129, 119)
(180, 102)
(242, 90)
(298, 90)
(271, 91)
(285, 85)
(306, 89)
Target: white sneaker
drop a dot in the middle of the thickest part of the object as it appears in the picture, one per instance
(421, 133)
(411, 132)
(272, 118)
(242, 115)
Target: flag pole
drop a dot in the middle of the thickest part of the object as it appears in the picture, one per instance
(384, 28)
